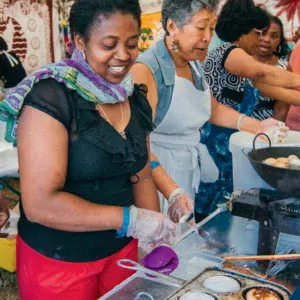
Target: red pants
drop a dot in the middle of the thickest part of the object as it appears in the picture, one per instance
(44, 278)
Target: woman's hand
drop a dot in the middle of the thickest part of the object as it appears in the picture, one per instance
(276, 130)
(180, 204)
(4, 214)
(151, 228)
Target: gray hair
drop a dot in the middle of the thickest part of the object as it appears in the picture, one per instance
(182, 11)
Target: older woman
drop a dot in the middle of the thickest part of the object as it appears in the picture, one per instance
(227, 70)
(181, 100)
(86, 181)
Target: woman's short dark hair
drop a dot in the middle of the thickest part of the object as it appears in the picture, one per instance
(283, 48)
(239, 17)
(86, 14)
(181, 12)
(3, 44)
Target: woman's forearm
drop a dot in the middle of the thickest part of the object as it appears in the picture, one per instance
(227, 117)
(281, 111)
(144, 191)
(145, 194)
(288, 96)
(67, 212)
(164, 183)
(279, 77)
(242, 64)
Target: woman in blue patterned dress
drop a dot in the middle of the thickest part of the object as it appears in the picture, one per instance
(231, 72)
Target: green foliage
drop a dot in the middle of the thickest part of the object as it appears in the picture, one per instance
(146, 34)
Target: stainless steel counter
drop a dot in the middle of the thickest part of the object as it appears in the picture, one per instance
(226, 234)
(230, 235)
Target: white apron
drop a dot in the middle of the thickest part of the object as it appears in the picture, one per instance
(175, 141)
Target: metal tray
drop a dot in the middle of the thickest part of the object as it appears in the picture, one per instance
(158, 291)
(246, 282)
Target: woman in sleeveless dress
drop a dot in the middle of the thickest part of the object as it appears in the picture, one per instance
(231, 71)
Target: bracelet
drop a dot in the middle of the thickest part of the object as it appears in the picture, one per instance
(154, 164)
(239, 122)
(126, 217)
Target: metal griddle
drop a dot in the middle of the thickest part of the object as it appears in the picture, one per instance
(246, 283)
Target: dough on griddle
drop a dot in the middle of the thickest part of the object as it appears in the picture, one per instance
(222, 284)
(196, 295)
(262, 294)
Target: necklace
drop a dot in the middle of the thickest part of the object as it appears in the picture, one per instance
(122, 133)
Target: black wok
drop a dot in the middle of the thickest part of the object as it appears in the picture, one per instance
(284, 180)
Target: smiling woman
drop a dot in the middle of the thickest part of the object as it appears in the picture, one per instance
(87, 189)
(111, 50)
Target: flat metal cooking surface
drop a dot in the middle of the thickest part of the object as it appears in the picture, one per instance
(158, 291)
(246, 282)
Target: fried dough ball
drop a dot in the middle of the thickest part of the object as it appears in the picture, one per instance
(295, 163)
(291, 157)
(270, 161)
(283, 160)
(281, 165)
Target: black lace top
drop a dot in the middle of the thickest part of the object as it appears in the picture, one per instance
(100, 163)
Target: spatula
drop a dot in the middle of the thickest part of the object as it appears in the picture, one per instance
(132, 265)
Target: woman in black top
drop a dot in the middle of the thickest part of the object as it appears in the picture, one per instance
(82, 165)
(11, 69)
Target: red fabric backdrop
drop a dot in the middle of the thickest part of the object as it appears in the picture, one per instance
(26, 25)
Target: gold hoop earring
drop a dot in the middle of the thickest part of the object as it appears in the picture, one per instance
(278, 49)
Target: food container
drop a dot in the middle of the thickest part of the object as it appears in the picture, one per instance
(244, 176)
(8, 254)
(246, 283)
(8, 246)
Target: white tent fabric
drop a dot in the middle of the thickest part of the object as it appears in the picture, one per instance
(151, 6)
